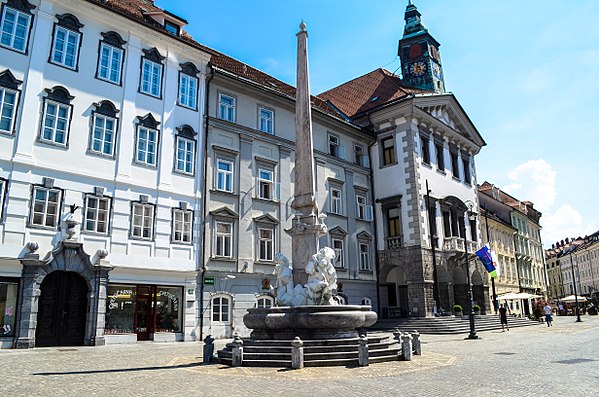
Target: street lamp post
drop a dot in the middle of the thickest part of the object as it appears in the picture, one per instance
(472, 334)
(578, 320)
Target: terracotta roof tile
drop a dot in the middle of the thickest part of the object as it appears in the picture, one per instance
(368, 92)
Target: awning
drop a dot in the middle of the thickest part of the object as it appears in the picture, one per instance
(517, 295)
(572, 298)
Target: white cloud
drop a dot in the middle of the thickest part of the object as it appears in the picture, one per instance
(564, 222)
(533, 181)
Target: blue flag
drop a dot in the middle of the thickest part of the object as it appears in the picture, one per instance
(484, 254)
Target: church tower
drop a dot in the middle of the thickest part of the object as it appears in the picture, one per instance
(419, 54)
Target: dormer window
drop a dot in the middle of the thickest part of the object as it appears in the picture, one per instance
(171, 28)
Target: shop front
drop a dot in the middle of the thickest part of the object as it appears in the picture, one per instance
(143, 312)
(9, 289)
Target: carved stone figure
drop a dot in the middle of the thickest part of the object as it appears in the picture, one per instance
(286, 293)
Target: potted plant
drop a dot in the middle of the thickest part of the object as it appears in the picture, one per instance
(476, 309)
(457, 309)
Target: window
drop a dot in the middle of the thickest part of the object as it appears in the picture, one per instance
(188, 88)
(266, 184)
(335, 149)
(393, 225)
(55, 122)
(66, 41)
(45, 207)
(364, 256)
(3, 185)
(142, 221)
(8, 307)
(426, 154)
(110, 63)
(366, 302)
(14, 29)
(388, 151)
(185, 155)
(171, 28)
(265, 120)
(146, 145)
(264, 302)
(336, 201)
(265, 244)
(466, 165)
(364, 211)
(97, 211)
(220, 309)
(104, 127)
(440, 155)
(359, 157)
(8, 105)
(339, 256)
(455, 168)
(151, 73)
(226, 107)
(224, 238)
(182, 223)
(224, 175)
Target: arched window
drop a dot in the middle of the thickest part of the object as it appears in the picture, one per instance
(366, 301)
(342, 299)
(221, 307)
(264, 302)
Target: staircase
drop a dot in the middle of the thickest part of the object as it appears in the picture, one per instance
(317, 353)
(449, 325)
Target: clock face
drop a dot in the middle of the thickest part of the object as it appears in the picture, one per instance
(417, 69)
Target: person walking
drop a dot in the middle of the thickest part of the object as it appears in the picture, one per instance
(548, 318)
(503, 311)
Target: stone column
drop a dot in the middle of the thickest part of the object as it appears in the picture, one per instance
(406, 346)
(297, 353)
(97, 299)
(31, 278)
(237, 351)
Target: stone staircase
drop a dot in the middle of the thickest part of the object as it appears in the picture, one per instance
(317, 353)
(449, 324)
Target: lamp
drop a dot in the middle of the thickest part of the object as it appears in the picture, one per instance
(470, 216)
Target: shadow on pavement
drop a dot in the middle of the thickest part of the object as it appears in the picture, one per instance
(116, 370)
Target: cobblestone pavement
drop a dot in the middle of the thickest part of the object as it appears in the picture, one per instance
(532, 361)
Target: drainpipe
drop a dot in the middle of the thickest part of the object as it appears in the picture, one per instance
(201, 227)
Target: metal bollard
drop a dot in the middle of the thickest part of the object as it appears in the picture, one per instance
(416, 343)
(237, 352)
(297, 353)
(406, 346)
(363, 352)
(208, 349)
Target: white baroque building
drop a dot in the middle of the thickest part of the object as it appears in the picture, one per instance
(100, 173)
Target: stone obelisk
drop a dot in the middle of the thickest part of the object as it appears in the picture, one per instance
(306, 225)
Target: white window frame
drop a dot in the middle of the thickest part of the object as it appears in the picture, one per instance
(361, 206)
(365, 264)
(226, 111)
(13, 33)
(3, 190)
(62, 53)
(44, 213)
(106, 72)
(336, 201)
(220, 315)
(266, 245)
(103, 132)
(188, 91)
(265, 184)
(359, 156)
(151, 78)
(366, 301)
(95, 211)
(334, 145)
(226, 176)
(54, 127)
(142, 222)
(266, 118)
(143, 135)
(185, 156)
(261, 300)
(223, 240)
(182, 226)
(3, 107)
(339, 248)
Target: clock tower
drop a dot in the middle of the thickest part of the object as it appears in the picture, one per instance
(419, 54)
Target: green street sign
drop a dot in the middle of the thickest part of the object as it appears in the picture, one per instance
(208, 280)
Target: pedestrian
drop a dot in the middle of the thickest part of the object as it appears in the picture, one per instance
(548, 318)
(503, 310)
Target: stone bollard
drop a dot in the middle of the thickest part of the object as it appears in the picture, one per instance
(397, 335)
(237, 352)
(363, 352)
(406, 346)
(208, 349)
(297, 353)
(416, 343)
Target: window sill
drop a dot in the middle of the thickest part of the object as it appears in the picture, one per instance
(141, 239)
(60, 65)
(145, 165)
(440, 171)
(95, 234)
(64, 146)
(187, 107)
(365, 271)
(427, 165)
(223, 192)
(100, 155)
(388, 165)
(264, 262)
(223, 259)
(337, 215)
(265, 200)
(183, 173)
(119, 84)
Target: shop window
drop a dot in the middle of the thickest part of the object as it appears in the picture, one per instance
(168, 309)
(120, 309)
(8, 307)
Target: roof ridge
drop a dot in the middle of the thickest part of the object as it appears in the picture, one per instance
(350, 81)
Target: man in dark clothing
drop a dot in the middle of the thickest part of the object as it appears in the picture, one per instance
(503, 317)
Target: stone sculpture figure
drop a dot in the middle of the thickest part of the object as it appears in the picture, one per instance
(286, 293)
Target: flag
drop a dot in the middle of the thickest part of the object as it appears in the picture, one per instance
(495, 263)
(485, 256)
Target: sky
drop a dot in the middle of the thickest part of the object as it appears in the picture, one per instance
(526, 73)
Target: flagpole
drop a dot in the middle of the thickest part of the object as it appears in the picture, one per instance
(492, 278)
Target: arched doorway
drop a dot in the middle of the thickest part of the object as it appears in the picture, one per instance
(460, 287)
(62, 310)
(478, 291)
(397, 293)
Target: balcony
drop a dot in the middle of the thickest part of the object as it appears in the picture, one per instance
(393, 243)
(454, 246)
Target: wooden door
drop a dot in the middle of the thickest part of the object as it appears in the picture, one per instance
(144, 313)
